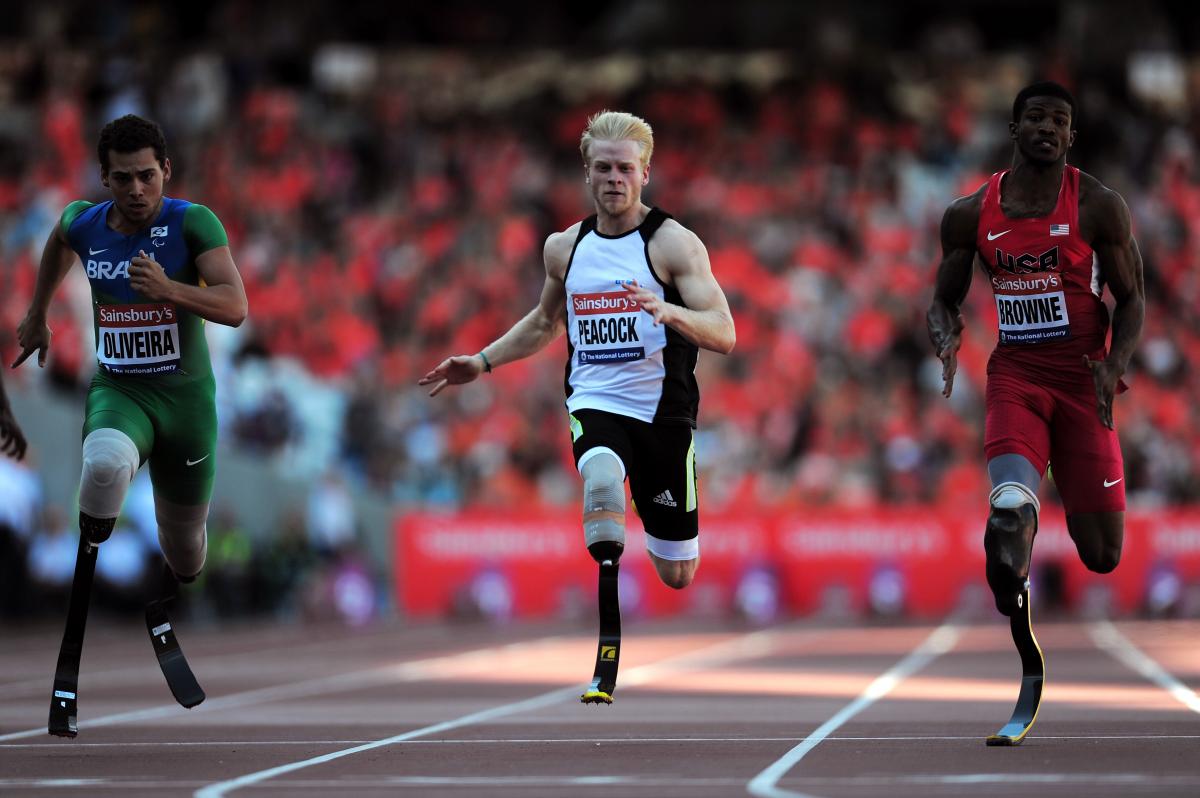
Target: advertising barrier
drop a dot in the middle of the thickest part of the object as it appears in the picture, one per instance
(920, 562)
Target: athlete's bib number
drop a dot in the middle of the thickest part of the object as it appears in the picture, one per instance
(606, 328)
(1032, 318)
(138, 339)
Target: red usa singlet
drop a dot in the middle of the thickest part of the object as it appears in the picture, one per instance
(1047, 286)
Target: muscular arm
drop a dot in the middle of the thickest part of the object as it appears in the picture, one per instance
(944, 318)
(546, 321)
(704, 318)
(531, 334)
(222, 297)
(33, 334)
(1120, 264)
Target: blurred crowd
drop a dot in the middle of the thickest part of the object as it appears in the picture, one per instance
(387, 203)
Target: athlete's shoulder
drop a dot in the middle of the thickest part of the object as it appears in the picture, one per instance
(677, 251)
(72, 214)
(75, 209)
(960, 223)
(968, 204)
(559, 245)
(201, 228)
(185, 206)
(78, 206)
(672, 229)
(1102, 210)
(1094, 192)
(673, 238)
(195, 209)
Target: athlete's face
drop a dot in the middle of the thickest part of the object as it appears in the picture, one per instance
(615, 174)
(136, 181)
(1043, 133)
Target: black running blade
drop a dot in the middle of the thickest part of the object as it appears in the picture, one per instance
(608, 650)
(174, 666)
(64, 701)
(63, 709)
(1033, 677)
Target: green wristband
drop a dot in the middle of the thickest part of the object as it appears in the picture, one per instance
(487, 364)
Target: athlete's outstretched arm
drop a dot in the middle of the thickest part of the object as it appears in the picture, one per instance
(704, 318)
(33, 334)
(1120, 264)
(531, 334)
(222, 298)
(944, 319)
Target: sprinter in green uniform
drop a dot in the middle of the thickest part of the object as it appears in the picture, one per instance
(158, 267)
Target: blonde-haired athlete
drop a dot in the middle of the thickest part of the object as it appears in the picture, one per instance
(636, 295)
(617, 126)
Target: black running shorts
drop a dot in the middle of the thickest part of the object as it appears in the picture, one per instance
(660, 462)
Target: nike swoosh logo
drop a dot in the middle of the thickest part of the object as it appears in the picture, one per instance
(96, 251)
(994, 237)
(201, 460)
(1108, 484)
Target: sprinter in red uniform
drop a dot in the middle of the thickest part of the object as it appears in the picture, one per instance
(1050, 237)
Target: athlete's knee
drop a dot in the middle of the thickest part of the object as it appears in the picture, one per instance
(603, 505)
(110, 459)
(1098, 538)
(676, 574)
(1107, 561)
(678, 578)
(96, 530)
(183, 536)
(1103, 559)
(675, 561)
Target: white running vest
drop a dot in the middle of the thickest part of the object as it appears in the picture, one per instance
(619, 361)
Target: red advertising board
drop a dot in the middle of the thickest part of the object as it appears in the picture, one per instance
(916, 561)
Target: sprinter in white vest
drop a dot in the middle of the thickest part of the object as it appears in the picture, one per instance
(634, 290)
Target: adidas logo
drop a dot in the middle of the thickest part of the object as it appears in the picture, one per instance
(665, 498)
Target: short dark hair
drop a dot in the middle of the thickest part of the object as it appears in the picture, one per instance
(1044, 88)
(131, 133)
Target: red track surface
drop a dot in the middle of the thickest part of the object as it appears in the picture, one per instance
(700, 711)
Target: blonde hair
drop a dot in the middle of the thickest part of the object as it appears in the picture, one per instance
(617, 126)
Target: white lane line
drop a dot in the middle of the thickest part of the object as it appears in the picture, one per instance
(180, 743)
(936, 644)
(413, 670)
(545, 699)
(700, 781)
(360, 782)
(752, 645)
(1010, 778)
(383, 675)
(1106, 636)
(588, 740)
(329, 786)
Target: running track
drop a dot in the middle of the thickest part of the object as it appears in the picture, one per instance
(799, 709)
